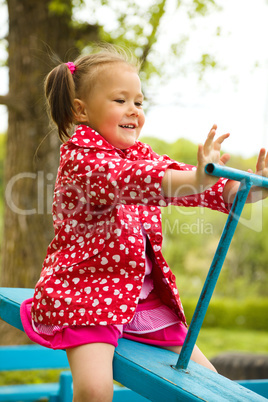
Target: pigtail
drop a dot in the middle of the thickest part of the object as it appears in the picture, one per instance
(60, 94)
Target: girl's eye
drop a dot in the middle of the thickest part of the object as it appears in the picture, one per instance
(119, 100)
(138, 104)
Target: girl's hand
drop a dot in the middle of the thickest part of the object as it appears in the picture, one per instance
(258, 193)
(210, 153)
(178, 183)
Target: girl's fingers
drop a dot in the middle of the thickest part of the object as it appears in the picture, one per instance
(224, 159)
(216, 145)
(218, 142)
(262, 161)
(222, 138)
(212, 132)
(214, 127)
(209, 140)
(200, 153)
(212, 145)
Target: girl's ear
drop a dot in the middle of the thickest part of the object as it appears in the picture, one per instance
(80, 111)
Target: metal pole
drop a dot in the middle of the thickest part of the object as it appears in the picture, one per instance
(247, 180)
(218, 260)
(236, 174)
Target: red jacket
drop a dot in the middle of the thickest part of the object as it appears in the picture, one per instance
(95, 265)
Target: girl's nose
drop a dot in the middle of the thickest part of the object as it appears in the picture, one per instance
(133, 110)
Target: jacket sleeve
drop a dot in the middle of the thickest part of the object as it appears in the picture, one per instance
(105, 179)
(211, 198)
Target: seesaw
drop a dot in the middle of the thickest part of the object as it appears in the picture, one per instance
(158, 374)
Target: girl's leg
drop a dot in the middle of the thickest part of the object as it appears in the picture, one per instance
(92, 371)
(197, 356)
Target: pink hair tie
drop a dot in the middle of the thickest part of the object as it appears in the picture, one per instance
(71, 66)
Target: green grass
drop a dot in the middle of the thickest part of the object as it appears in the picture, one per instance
(29, 376)
(214, 341)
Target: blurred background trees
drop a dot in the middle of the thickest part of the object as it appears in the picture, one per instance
(40, 35)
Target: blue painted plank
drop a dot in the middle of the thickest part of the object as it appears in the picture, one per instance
(29, 357)
(123, 394)
(62, 392)
(66, 387)
(149, 371)
(259, 386)
(26, 392)
(10, 300)
(17, 295)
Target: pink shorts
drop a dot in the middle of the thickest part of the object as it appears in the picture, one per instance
(174, 335)
(69, 337)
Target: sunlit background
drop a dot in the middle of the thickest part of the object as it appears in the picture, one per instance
(219, 74)
(184, 101)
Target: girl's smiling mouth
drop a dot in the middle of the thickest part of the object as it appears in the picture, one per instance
(131, 126)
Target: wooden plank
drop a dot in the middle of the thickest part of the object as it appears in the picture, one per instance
(150, 371)
(30, 357)
(123, 394)
(10, 301)
(25, 392)
(260, 386)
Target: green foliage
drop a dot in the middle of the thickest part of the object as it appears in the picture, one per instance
(137, 30)
(206, 61)
(182, 150)
(61, 7)
(135, 25)
(214, 341)
(247, 314)
(29, 376)
(202, 7)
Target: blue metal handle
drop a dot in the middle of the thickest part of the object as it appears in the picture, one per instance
(247, 180)
(236, 174)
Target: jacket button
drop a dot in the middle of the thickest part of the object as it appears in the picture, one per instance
(158, 238)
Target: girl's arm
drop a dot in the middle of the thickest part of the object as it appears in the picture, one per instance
(178, 183)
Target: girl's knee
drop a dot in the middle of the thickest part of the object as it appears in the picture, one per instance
(93, 392)
(91, 367)
(200, 358)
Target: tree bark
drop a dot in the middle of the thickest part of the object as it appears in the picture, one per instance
(32, 145)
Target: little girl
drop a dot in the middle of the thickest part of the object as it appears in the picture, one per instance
(104, 275)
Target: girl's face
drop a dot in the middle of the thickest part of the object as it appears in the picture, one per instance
(113, 107)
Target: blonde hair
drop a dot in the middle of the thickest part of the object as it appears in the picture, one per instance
(62, 87)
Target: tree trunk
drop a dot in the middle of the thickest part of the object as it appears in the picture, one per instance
(32, 146)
